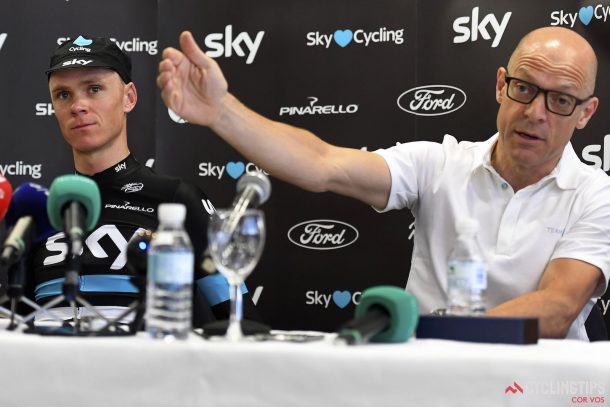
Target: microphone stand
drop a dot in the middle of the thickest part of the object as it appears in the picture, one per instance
(14, 293)
(71, 293)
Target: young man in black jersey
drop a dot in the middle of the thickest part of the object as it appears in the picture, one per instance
(92, 92)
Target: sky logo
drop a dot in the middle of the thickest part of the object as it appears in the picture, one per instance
(361, 37)
(470, 27)
(233, 169)
(584, 14)
(228, 43)
(81, 41)
(598, 160)
(340, 298)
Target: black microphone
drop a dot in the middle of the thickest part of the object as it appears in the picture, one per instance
(253, 190)
(385, 314)
(137, 253)
(137, 257)
(18, 241)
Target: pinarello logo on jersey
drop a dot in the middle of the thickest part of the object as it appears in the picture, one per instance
(323, 234)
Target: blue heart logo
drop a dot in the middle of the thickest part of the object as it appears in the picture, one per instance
(342, 298)
(81, 41)
(235, 169)
(585, 14)
(342, 38)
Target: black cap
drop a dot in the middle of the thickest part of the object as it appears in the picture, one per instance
(94, 52)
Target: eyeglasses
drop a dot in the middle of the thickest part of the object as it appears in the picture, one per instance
(555, 102)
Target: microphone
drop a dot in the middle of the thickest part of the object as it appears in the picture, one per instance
(137, 258)
(27, 214)
(385, 314)
(137, 253)
(74, 206)
(6, 192)
(253, 190)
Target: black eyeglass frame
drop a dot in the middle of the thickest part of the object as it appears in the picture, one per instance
(507, 79)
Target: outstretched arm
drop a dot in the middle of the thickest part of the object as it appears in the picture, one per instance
(565, 288)
(193, 86)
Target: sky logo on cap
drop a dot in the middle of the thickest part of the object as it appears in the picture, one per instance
(75, 61)
(81, 41)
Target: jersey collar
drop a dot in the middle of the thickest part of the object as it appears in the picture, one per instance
(123, 167)
(565, 172)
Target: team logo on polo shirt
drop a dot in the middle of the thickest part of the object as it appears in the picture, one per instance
(132, 187)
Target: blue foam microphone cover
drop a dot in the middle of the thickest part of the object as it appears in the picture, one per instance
(30, 199)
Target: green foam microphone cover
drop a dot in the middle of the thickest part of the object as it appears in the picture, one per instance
(73, 188)
(400, 305)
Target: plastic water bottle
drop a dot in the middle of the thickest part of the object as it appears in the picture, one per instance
(467, 278)
(170, 276)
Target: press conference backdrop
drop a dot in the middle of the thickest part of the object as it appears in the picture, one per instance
(362, 74)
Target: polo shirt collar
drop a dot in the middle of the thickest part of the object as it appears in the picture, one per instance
(565, 172)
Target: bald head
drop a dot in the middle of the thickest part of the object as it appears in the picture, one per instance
(558, 50)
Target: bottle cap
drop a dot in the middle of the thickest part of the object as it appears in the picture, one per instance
(172, 213)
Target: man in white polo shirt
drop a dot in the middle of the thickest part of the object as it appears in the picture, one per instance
(546, 215)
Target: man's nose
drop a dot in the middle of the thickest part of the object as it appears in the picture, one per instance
(536, 109)
(79, 105)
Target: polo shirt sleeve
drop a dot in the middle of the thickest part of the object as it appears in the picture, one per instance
(413, 167)
(587, 238)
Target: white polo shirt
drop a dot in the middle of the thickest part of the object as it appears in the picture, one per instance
(564, 215)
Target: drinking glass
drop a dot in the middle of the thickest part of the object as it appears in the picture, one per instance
(236, 242)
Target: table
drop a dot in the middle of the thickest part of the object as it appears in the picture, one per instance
(138, 371)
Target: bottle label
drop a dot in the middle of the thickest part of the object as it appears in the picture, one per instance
(467, 274)
(171, 267)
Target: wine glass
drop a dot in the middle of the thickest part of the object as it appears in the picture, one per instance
(236, 243)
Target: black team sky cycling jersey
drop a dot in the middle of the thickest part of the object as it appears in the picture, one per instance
(131, 193)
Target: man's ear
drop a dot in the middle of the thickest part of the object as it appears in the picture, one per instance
(587, 112)
(130, 97)
(500, 84)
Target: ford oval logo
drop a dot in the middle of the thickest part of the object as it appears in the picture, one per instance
(432, 100)
(323, 234)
